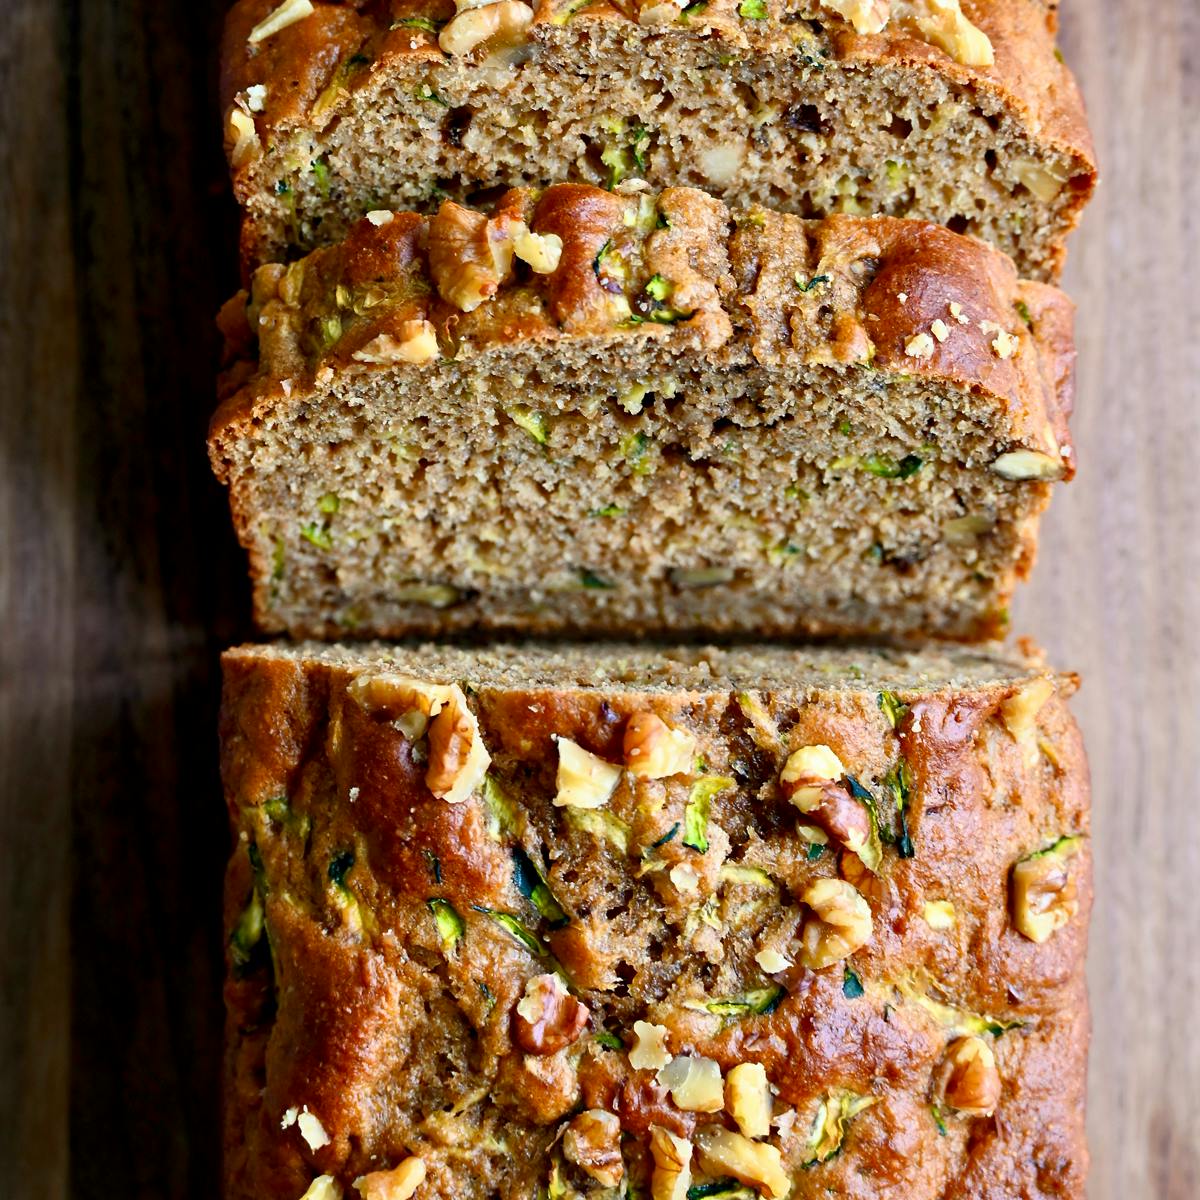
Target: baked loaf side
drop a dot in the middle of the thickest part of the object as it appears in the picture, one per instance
(602, 412)
(593, 923)
(962, 114)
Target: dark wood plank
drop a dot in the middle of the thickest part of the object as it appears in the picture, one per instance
(119, 582)
(156, 583)
(38, 353)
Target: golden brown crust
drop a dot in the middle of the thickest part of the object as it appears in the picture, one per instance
(378, 1025)
(319, 68)
(775, 289)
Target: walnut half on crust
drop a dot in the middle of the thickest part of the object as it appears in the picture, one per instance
(458, 759)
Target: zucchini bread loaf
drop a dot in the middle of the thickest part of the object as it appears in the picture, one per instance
(609, 413)
(589, 922)
(920, 108)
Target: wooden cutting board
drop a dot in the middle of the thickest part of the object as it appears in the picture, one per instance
(120, 581)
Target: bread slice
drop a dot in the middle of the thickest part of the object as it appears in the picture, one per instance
(913, 108)
(648, 421)
(585, 922)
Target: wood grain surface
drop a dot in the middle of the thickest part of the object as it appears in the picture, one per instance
(119, 582)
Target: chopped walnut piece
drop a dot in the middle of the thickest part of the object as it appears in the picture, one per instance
(866, 16)
(1019, 714)
(324, 1187)
(541, 251)
(1020, 466)
(242, 138)
(968, 1079)
(811, 780)
(416, 344)
(584, 779)
(919, 346)
(758, 1164)
(948, 28)
(548, 1018)
(672, 1165)
(458, 759)
(649, 1051)
(288, 13)
(592, 1141)
(311, 1130)
(654, 750)
(841, 925)
(748, 1099)
(500, 26)
(470, 253)
(1045, 896)
(694, 1083)
(397, 1184)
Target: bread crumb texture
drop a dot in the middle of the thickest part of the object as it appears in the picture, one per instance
(961, 113)
(464, 997)
(588, 411)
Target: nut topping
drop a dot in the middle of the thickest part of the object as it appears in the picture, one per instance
(748, 1099)
(502, 26)
(458, 759)
(548, 1018)
(841, 925)
(968, 1078)
(947, 28)
(649, 1051)
(592, 1142)
(672, 1165)
(324, 1187)
(694, 1083)
(397, 1184)
(812, 781)
(866, 16)
(288, 13)
(1045, 895)
(416, 344)
(1019, 714)
(757, 1164)
(584, 779)
(653, 750)
(470, 253)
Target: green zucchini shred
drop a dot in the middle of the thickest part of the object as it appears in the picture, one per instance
(760, 1002)
(248, 931)
(594, 582)
(885, 467)
(610, 1041)
(807, 285)
(892, 707)
(320, 170)
(422, 23)
(753, 10)
(318, 534)
(340, 865)
(601, 824)
(852, 987)
(532, 884)
(699, 805)
(899, 782)
(828, 1133)
(513, 927)
(502, 811)
(721, 1189)
(533, 422)
(450, 925)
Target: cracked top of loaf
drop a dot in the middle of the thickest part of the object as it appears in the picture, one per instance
(605, 269)
(581, 922)
(730, 94)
